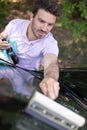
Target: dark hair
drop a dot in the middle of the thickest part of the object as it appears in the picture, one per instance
(48, 5)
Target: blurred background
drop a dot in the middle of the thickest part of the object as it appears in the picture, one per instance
(70, 30)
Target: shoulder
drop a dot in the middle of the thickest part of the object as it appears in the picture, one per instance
(16, 25)
(50, 45)
(16, 22)
(50, 39)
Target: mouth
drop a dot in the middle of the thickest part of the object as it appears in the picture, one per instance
(42, 33)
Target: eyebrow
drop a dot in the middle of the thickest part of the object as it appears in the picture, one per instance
(45, 21)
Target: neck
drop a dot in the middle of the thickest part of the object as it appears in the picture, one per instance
(30, 35)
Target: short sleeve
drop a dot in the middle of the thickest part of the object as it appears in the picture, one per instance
(51, 46)
(9, 28)
(12, 26)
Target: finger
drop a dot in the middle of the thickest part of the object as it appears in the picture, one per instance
(3, 42)
(4, 45)
(56, 89)
(3, 35)
(43, 88)
(51, 93)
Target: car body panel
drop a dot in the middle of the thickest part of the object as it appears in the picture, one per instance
(13, 117)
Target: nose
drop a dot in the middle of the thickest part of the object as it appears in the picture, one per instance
(45, 27)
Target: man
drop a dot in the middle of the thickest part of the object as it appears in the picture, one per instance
(35, 47)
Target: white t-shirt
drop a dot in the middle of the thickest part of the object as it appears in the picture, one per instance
(30, 53)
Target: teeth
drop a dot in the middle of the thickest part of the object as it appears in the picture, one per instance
(54, 112)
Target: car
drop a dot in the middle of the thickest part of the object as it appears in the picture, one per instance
(73, 96)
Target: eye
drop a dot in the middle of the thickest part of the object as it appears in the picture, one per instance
(42, 21)
(50, 24)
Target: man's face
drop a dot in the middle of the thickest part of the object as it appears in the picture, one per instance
(42, 23)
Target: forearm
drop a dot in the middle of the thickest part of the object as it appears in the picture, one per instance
(50, 85)
(52, 71)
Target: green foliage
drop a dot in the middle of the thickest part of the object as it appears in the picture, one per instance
(83, 9)
(4, 2)
(74, 17)
(78, 29)
(4, 11)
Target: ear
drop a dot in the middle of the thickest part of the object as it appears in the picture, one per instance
(31, 16)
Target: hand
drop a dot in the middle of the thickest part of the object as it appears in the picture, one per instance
(50, 87)
(4, 44)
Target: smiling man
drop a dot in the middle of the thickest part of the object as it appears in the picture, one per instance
(35, 47)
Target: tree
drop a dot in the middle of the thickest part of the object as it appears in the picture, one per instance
(74, 17)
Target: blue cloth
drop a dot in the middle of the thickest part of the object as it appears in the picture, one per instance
(6, 56)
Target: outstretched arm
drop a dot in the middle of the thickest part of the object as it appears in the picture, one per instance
(50, 85)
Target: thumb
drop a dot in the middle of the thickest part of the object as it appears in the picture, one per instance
(3, 35)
